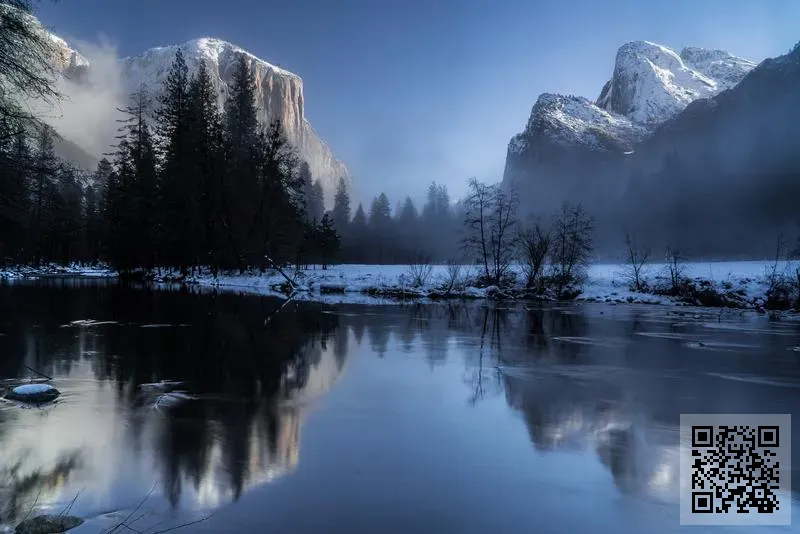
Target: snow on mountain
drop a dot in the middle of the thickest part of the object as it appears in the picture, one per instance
(652, 83)
(726, 70)
(279, 93)
(575, 121)
(66, 59)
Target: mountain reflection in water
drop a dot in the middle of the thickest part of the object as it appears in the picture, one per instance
(250, 388)
(599, 390)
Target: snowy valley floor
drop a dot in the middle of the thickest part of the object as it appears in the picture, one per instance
(742, 283)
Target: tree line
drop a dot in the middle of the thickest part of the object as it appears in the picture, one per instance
(383, 235)
(187, 185)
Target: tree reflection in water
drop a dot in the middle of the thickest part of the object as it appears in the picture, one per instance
(240, 430)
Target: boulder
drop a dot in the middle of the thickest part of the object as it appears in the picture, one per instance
(48, 524)
(33, 393)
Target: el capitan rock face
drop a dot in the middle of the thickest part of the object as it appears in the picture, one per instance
(279, 93)
(279, 96)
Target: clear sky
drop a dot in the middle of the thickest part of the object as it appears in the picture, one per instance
(411, 91)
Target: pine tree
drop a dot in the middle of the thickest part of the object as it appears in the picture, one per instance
(93, 211)
(44, 169)
(410, 238)
(329, 241)
(206, 148)
(318, 196)
(313, 194)
(281, 207)
(241, 121)
(15, 163)
(380, 214)
(241, 195)
(408, 215)
(132, 192)
(341, 208)
(67, 218)
(178, 195)
(380, 229)
(356, 240)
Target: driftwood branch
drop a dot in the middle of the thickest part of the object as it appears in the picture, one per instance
(292, 293)
(277, 268)
(37, 372)
(124, 521)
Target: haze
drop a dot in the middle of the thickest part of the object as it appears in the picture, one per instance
(410, 92)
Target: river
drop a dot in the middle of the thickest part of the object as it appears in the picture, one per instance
(180, 406)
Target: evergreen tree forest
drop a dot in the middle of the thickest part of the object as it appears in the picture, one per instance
(187, 185)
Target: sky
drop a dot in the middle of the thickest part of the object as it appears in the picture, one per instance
(407, 92)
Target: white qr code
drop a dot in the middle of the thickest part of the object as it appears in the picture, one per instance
(735, 469)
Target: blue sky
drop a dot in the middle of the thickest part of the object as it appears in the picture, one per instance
(411, 91)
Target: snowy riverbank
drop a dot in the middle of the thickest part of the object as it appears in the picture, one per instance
(22, 272)
(739, 284)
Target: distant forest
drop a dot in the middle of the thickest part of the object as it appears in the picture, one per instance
(187, 185)
(190, 185)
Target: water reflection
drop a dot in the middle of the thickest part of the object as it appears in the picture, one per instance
(250, 386)
(584, 380)
(603, 385)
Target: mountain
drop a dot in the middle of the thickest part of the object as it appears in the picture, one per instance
(697, 149)
(279, 93)
(727, 164)
(569, 142)
(652, 83)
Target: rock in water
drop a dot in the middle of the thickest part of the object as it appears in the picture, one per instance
(48, 524)
(33, 393)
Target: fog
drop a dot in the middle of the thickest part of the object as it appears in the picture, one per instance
(87, 114)
(721, 180)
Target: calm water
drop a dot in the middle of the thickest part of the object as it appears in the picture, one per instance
(383, 419)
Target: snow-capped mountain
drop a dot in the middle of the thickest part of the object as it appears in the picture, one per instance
(650, 85)
(279, 93)
(576, 121)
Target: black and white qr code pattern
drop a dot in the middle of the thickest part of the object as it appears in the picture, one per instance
(735, 469)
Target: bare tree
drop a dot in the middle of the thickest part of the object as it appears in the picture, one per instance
(674, 267)
(534, 243)
(27, 65)
(478, 206)
(783, 284)
(490, 221)
(452, 278)
(420, 270)
(637, 256)
(571, 246)
(773, 275)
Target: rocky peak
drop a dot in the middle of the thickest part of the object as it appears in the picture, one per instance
(725, 69)
(652, 83)
(279, 93)
(576, 121)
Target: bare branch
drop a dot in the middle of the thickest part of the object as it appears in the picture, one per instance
(636, 258)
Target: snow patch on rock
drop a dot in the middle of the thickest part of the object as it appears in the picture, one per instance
(652, 83)
(574, 120)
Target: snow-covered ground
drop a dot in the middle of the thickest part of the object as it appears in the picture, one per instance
(747, 280)
(604, 282)
(611, 282)
(24, 271)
